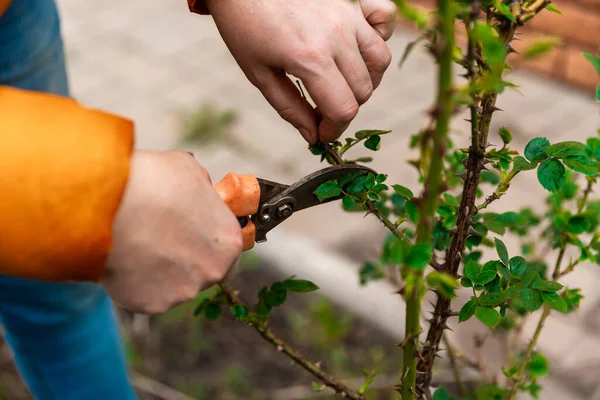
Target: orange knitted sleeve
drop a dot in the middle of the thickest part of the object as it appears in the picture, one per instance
(63, 172)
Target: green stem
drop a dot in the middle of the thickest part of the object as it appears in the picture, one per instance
(443, 113)
(500, 190)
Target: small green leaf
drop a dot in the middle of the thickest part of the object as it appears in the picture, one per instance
(485, 277)
(492, 299)
(546, 286)
(299, 285)
(367, 133)
(467, 311)
(564, 149)
(453, 201)
(532, 299)
(370, 181)
(466, 282)
(553, 300)
(370, 272)
(578, 224)
(538, 365)
(275, 298)
(200, 307)
(536, 149)
(505, 134)
(441, 394)
(419, 256)
(373, 143)
(530, 278)
(380, 178)
(212, 311)
(472, 269)
(513, 291)
(595, 61)
(521, 164)
(318, 388)
(403, 191)
(541, 46)
(444, 283)
(412, 210)
(394, 250)
(372, 196)
(518, 265)
(238, 311)
(378, 188)
(553, 8)
(357, 185)
(327, 190)
(582, 164)
(492, 46)
(488, 316)
(504, 10)
(502, 251)
(551, 174)
(347, 178)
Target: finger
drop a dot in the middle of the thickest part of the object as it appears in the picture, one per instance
(381, 15)
(279, 90)
(375, 53)
(333, 97)
(352, 66)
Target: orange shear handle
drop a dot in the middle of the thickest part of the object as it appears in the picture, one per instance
(241, 193)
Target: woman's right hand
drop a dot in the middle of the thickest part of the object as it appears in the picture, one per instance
(173, 235)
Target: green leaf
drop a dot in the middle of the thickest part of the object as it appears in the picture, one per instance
(357, 185)
(378, 188)
(492, 46)
(299, 285)
(370, 272)
(367, 133)
(318, 388)
(472, 269)
(564, 149)
(504, 10)
(554, 301)
(212, 311)
(536, 149)
(492, 299)
(467, 311)
(441, 394)
(393, 251)
(380, 178)
(505, 134)
(275, 298)
(513, 291)
(538, 365)
(553, 8)
(403, 191)
(370, 181)
(488, 316)
(409, 48)
(328, 190)
(578, 224)
(551, 174)
(238, 311)
(200, 307)
(419, 256)
(595, 61)
(518, 265)
(502, 251)
(347, 178)
(532, 300)
(530, 278)
(453, 201)
(582, 164)
(466, 282)
(412, 210)
(373, 143)
(444, 283)
(541, 46)
(485, 277)
(521, 164)
(546, 286)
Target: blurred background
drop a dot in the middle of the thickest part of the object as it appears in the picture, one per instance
(170, 72)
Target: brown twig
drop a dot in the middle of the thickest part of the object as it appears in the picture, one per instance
(283, 347)
(454, 366)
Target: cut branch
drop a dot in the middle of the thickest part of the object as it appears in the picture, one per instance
(283, 347)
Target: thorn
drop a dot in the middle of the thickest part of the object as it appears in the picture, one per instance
(494, 109)
(438, 356)
(510, 49)
(468, 120)
(486, 161)
(465, 162)
(432, 305)
(490, 145)
(453, 230)
(471, 232)
(463, 175)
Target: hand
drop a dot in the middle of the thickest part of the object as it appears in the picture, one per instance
(335, 47)
(173, 235)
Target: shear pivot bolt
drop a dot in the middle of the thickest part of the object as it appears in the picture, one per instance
(284, 211)
(265, 218)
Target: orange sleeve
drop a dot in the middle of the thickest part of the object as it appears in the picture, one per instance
(63, 171)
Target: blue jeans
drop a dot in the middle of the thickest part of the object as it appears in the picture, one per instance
(64, 337)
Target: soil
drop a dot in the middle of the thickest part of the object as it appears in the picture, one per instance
(227, 360)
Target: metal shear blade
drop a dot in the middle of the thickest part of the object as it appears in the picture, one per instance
(278, 201)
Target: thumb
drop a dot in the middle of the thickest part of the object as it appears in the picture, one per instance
(381, 15)
(279, 90)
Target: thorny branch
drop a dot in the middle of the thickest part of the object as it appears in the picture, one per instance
(283, 347)
(481, 117)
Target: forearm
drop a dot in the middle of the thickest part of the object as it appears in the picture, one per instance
(63, 169)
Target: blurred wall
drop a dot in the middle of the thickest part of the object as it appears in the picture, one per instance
(579, 30)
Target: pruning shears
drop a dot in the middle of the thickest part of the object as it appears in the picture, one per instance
(261, 205)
